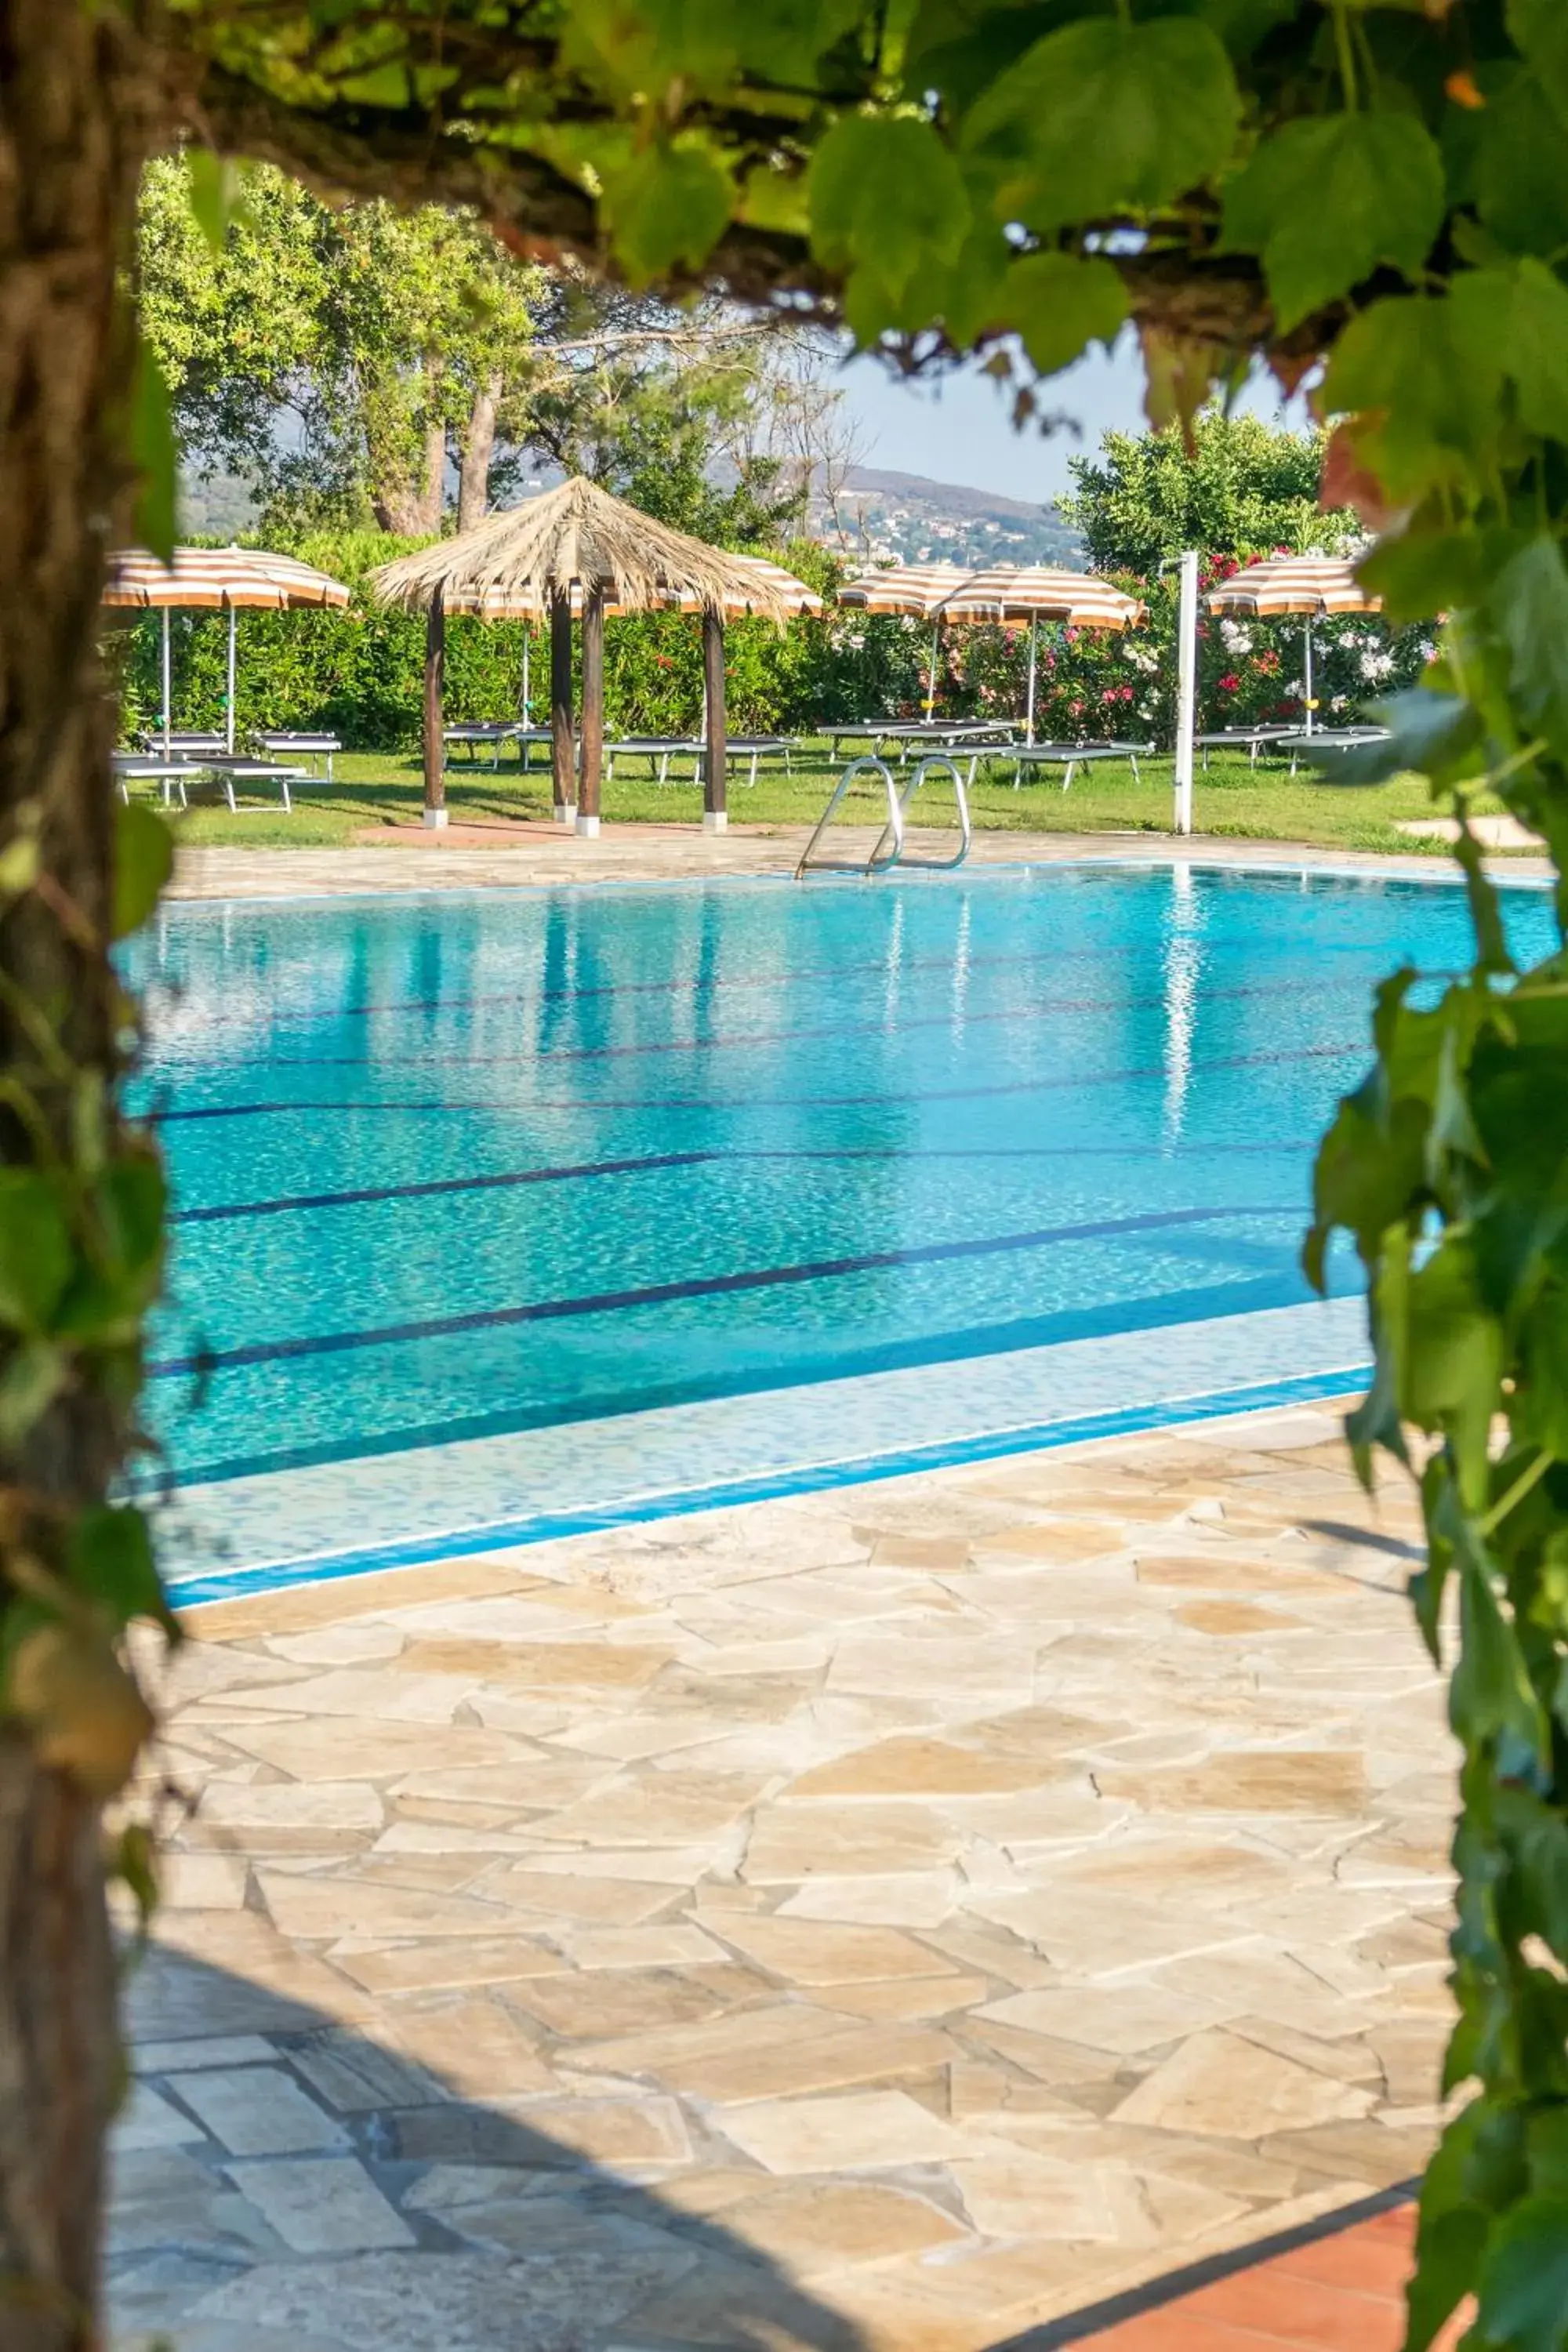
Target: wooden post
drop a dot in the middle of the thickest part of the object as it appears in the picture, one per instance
(715, 815)
(593, 711)
(434, 716)
(562, 736)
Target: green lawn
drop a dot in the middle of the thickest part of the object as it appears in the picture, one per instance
(384, 788)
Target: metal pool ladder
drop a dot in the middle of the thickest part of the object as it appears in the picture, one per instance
(889, 849)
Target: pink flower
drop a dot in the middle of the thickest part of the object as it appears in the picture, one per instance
(1229, 683)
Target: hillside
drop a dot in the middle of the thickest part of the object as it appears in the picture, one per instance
(882, 513)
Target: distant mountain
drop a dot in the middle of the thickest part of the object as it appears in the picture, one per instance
(909, 517)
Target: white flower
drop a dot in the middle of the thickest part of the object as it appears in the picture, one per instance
(1234, 638)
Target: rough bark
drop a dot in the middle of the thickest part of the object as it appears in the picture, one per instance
(408, 499)
(592, 764)
(562, 734)
(434, 704)
(75, 118)
(478, 449)
(714, 778)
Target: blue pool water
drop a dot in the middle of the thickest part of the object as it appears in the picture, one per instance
(456, 1168)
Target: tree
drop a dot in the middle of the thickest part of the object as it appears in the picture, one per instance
(334, 358)
(1230, 485)
(1374, 187)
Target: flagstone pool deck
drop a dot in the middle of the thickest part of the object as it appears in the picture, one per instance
(911, 1919)
(504, 856)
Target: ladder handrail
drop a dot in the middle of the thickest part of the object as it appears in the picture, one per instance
(875, 863)
(960, 799)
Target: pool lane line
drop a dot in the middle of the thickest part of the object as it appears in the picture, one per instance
(711, 1286)
(656, 1163)
(581, 1106)
(741, 1039)
(1346, 1382)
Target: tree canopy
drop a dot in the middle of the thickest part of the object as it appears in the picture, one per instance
(1229, 486)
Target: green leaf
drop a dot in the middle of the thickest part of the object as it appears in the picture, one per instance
(210, 183)
(385, 85)
(1060, 305)
(154, 455)
(144, 861)
(1424, 727)
(34, 1376)
(1539, 29)
(36, 1255)
(1528, 605)
(1524, 2285)
(111, 1560)
(1104, 114)
(1431, 375)
(1517, 170)
(666, 209)
(1490, 1694)
(1326, 199)
(1536, 348)
(888, 201)
(1451, 2233)
(1454, 1360)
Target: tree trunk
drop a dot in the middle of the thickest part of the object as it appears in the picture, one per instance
(592, 767)
(435, 712)
(715, 802)
(74, 122)
(408, 502)
(478, 448)
(563, 735)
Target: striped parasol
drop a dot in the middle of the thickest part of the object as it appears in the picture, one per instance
(1041, 591)
(216, 580)
(219, 579)
(1030, 592)
(1315, 586)
(914, 592)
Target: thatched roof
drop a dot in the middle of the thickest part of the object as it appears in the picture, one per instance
(580, 539)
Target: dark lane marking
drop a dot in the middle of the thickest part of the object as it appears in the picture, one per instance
(589, 1106)
(711, 1286)
(696, 984)
(741, 1039)
(447, 1184)
(657, 1162)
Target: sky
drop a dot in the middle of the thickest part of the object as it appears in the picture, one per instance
(960, 430)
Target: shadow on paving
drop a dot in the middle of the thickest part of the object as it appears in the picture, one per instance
(284, 2184)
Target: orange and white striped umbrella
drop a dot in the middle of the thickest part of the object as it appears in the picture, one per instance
(1315, 585)
(1031, 591)
(219, 579)
(915, 591)
(216, 580)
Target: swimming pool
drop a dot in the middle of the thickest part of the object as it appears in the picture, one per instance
(496, 1212)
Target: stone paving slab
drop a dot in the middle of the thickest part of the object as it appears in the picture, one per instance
(526, 856)
(888, 1919)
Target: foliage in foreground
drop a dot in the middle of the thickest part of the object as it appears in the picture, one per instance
(1379, 183)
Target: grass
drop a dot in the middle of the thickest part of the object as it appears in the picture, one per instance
(377, 790)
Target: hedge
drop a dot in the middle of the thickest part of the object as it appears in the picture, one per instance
(360, 672)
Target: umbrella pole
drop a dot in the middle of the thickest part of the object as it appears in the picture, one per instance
(1034, 652)
(593, 738)
(931, 690)
(166, 675)
(1307, 680)
(715, 811)
(1186, 692)
(527, 695)
(434, 716)
(228, 719)
(562, 736)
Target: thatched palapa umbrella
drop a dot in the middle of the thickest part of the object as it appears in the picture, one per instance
(577, 545)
